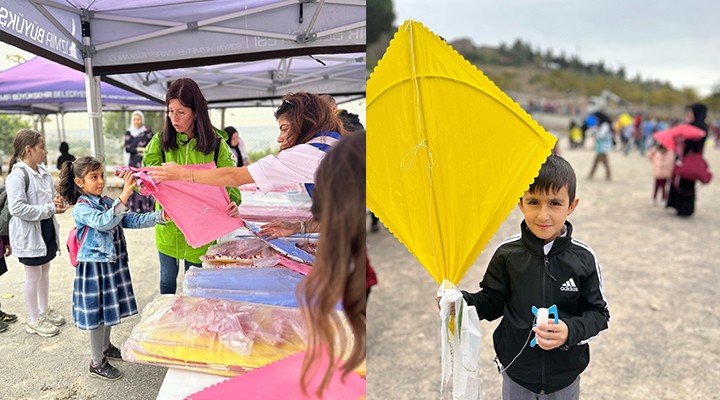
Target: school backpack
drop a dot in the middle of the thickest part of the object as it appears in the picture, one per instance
(4, 207)
(73, 243)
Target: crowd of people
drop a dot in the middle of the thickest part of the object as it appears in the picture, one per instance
(626, 133)
(316, 151)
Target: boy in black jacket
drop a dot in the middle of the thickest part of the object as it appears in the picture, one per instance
(542, 266)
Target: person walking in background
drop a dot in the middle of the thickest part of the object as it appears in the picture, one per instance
(137, 138)
(602, 131)
(188, 137)
(64, 155)
(102, 291)
(34, 231)
(663, 162)
(237, 147)
(682, 191)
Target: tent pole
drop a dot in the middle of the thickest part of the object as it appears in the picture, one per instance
(57, 122)
(92, 89)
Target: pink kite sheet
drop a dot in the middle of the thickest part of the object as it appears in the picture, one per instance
(281, 381)
(198, 210)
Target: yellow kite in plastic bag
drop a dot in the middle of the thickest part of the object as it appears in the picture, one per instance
(449, 154)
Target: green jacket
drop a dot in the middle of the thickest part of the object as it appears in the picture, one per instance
(168, 238)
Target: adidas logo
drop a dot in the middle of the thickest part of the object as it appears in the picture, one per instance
(569, 286)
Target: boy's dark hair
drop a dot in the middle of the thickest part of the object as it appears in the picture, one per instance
(71, 169)
(554, 174)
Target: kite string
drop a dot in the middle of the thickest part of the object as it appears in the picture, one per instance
(413, 153)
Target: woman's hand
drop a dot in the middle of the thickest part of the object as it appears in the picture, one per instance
(232, 209)
(279, 229)
(60, 206)
(169, 171)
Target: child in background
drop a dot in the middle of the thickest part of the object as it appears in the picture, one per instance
(576, 135)
(34, 232)
(663, 163)
(542, 266)
(102, 292)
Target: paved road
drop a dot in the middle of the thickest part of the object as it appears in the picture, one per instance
(660, 275)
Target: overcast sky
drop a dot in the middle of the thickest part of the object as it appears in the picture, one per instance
(675, 41)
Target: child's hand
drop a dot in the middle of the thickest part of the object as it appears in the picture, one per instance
(8, 250)
(550, 336)
(129, 179)
(165, 215)
(452, 305)
(128, 187)
(60, 206)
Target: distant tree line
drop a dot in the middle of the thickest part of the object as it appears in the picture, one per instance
(380, 16)
(521, 54)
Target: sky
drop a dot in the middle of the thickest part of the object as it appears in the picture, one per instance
(672, 41)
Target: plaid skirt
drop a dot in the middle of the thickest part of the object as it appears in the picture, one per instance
(102, 294)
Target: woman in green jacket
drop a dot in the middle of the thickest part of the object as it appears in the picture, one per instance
(188, 137)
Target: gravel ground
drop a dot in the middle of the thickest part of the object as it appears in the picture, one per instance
(660, 274)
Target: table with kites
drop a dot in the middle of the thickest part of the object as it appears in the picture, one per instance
(449, 155)
(236, 324)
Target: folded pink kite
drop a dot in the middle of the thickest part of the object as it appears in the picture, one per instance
(198, 210)
(281, 381)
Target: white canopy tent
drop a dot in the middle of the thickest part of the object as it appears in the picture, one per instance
(123, 40)
(257, 83)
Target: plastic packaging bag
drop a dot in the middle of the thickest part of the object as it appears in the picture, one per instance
(289, 203)
(460, 344)
(247, 252)
(274, 286)
(216, 336)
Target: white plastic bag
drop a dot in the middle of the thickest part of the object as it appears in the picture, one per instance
(460, 344)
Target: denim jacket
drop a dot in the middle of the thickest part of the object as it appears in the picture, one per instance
(98, 218)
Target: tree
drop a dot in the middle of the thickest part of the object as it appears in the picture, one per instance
(380, 17)
(9, 125)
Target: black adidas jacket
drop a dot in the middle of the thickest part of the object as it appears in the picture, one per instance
(520, 276)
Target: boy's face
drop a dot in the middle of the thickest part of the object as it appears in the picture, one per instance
(545, 213)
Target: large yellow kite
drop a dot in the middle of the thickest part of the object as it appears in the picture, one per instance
(448, 153)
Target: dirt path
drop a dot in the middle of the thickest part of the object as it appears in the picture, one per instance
(660, 274)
